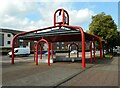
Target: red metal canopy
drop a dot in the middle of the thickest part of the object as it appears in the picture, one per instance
(60, 32)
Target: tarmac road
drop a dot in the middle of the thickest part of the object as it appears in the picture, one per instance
(25, 73)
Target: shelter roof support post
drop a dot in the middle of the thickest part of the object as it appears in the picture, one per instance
(83, 50)
(48, 53)
(91, 52)
(100, 49)
(52, 47)
(83, 43)
(94, 50)
(13, 50)
(13, 46)
(83, 47)
(100, 40)
(40, 52)
(36, 54)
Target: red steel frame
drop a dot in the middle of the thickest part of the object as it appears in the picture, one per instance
(43, 40)
(83, 42)
(75, 27)
(91, 52)
(94, 50)
(34, 53)
(63, 14)
(92, 42)
(40, 52)
(100, 40)
(77, 49)
(23, 33)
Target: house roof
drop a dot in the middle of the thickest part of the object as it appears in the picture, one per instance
(10, 31)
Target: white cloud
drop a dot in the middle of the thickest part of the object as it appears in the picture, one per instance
(14, 14)
(80, 16)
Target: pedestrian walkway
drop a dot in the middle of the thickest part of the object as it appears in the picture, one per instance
(101, 73)
(28, 74)
(104, 73)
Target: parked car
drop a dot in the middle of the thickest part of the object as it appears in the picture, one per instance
(20, 52)
(73, 52)
(116, 49)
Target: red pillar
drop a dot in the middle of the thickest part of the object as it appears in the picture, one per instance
(100, 46)
(101, 50)
(49, 54)
(83, 47)
(91, 52)
(13, 46)
(40, 52)
(34, 53)
(13, 51)
(94, 51)
(52, 50)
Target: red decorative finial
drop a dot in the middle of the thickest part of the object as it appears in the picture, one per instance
(61, 17)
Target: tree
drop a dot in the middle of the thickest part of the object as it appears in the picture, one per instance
(104, 26)
(117, 39)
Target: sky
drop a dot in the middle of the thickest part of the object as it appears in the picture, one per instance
(26, 15)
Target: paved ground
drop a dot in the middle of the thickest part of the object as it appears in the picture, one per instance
(26, 73)
(104, 73)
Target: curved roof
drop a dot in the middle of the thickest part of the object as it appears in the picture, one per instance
(58, 34)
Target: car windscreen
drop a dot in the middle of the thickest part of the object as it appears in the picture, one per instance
(16, 51)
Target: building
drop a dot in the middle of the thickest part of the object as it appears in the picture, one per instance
(65, 45)
(6, 36)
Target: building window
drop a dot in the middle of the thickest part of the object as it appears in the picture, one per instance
(8, 42)
(28, 44)
(62, 47)
(62, 42)
(35, 42)
(9, 35)
(57, 43)
(21, 43)
(57, 48)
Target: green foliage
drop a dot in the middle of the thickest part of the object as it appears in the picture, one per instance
(117, 39)
(104, 26)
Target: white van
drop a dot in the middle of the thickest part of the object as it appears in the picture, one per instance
(20, 52)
